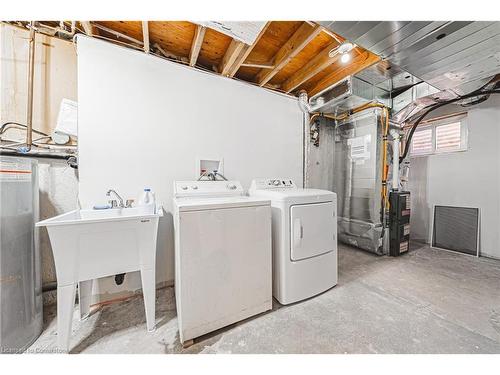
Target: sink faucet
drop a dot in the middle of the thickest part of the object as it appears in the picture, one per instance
(121, 205)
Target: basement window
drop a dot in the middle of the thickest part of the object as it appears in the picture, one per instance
(422, 142)
(440, 136)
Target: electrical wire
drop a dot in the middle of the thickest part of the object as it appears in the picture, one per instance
(36, 142)
(436, 106)
(481, 99)
(5, 126)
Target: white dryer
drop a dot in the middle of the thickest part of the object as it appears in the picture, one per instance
(223, 255)
(304, 225)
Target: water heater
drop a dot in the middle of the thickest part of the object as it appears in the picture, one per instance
(20, 266)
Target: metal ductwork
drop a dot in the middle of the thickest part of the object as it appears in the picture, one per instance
(348, 94)
(347, 161)
(461, 56)
(423, 64)
(417, 106)
(382, 82)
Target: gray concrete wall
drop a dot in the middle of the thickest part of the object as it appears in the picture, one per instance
(55, 79)
(58, 189)
(470, 178)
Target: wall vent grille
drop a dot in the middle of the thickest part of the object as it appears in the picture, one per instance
(456, 228)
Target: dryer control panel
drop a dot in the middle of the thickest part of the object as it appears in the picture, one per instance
(272, 183)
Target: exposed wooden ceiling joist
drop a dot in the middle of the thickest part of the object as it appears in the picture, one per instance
(230, 56)
(257, 64)
(301, 38)
(313, 67)
(357, 64)
(145, 36)
(286, 55)
(332, 34)
(117, 33)
(196, 45)
(246, 51)
(89, 28)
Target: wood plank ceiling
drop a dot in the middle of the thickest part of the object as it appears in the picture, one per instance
(287, 56)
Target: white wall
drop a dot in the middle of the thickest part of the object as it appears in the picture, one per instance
(144, 121)
(470, 178)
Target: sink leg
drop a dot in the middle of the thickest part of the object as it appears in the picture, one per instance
(65, 304)
(149, 293)
(84, 297)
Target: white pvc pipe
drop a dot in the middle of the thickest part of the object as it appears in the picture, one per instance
(304, 102)
(395, 160)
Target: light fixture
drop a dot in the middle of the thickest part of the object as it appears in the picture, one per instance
(345, 58)
(343, 49)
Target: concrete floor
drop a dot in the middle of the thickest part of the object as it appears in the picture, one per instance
(428, 301)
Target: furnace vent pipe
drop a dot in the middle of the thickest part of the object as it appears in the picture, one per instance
(304, 102)
(31, 74)
(395, 160)
(304, 106)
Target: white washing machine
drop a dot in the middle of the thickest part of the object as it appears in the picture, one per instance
(223, 255)
(304, 238)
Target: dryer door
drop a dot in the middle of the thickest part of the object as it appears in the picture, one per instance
(313, 230)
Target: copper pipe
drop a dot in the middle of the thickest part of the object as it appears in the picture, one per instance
(331, 117)
(31, 74)
(385, 127)
(345, 114)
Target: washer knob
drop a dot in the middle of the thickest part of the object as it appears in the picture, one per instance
(184, 187)
(194, 187)
(276, 182)
(231, 186)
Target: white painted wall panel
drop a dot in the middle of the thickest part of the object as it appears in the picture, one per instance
(144, 121)
(470, 178)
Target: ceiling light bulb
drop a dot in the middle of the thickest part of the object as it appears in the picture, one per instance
(345, 58)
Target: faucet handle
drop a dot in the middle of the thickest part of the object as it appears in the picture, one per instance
(128, 203)
(114, 203)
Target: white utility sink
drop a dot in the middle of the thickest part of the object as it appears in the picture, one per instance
(89, 244)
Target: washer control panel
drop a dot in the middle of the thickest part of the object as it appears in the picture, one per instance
(272, 183)
(207, 188)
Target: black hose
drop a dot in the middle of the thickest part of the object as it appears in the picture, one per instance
(73, 162)
(436, 106)
(47, 287)
(19, 124)
(119, 279)
(44, 155)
